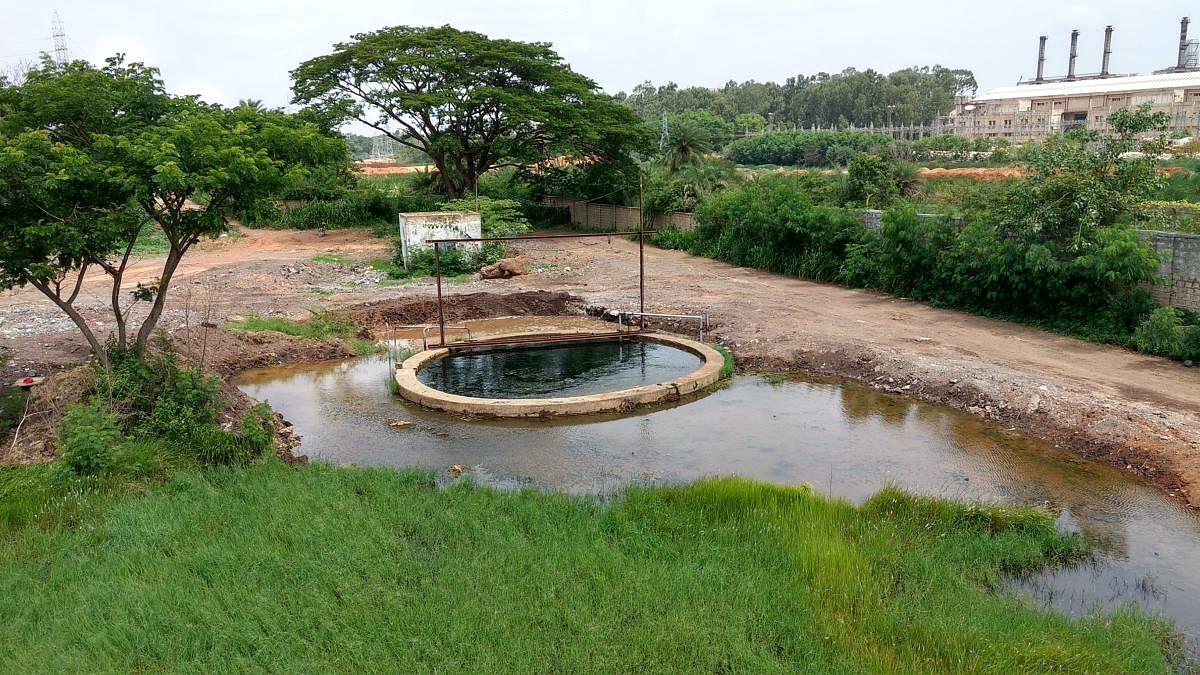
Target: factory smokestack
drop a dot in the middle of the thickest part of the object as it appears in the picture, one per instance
(1041, 59)
(1183, 24)
(1108, 30)
(1074, 53)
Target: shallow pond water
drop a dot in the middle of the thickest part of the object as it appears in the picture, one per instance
(841, 438)
(559, 370)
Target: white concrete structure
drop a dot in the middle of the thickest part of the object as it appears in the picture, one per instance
(417, 229)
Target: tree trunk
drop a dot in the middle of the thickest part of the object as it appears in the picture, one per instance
(164, 282)
(77, 318)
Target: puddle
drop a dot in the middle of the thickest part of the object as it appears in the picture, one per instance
(842, 439)
(557, 371)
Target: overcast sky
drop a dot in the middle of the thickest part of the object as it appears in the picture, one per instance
(226, 50)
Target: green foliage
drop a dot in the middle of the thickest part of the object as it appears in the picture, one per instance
(772, 224)
(1081, 181)
(877, 182)
(152, 395)
(758, 578)
(1166, 332)
(88, 154)
(469, 102)
(687, 142)
(803, 148)
(751, 122)
(89, 433)
(320, 325)
(498, 217)
(908, 96)
(216, 447)
(668, 190)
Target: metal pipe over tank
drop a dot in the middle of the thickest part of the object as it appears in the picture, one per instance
(1041, 70)
(1074, 54)
(1108, 31)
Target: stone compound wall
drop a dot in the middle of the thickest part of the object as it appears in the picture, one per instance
(1180, 252)
(1180, 267)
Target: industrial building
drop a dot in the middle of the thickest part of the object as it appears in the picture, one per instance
(1041, 106)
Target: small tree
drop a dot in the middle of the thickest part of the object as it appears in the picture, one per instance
(90, 157)
(1082, 181)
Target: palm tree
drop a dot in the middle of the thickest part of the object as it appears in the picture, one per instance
(686, 143)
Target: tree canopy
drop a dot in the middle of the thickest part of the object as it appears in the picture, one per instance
(470, 102)
(90, 157)
(861, 97)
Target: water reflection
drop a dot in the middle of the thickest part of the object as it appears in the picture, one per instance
(556, 371)
(840, 438)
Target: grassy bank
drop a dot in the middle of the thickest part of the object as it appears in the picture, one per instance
(318, 568)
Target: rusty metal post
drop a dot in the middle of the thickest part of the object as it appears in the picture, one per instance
(641, 245)
(437, 272)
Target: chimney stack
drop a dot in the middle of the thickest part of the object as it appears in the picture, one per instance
(1108, 30)
(1075, 52)
(1183, 24)
(1041, 58)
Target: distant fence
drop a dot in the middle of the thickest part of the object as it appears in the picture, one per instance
(593, 216)
(1180, 252)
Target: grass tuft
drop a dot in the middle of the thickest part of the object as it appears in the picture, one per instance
(322, 324)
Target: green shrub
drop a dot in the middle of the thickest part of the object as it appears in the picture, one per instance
(214, 446)
(1160, 333)
(152, 395)
(88, 434)
(772, 224)
(672, 238)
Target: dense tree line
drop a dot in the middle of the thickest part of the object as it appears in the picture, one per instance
(915, 95)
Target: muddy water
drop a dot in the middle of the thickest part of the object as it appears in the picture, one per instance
(557, 371)
(842, 439)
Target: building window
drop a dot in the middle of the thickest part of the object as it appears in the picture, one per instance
(991, 123)
(1008, 123)
(1116, 99)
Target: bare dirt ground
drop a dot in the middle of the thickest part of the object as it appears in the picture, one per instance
(1138, 412)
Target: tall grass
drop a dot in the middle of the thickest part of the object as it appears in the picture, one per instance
(317, 568)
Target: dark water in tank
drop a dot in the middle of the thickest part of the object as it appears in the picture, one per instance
(556, 371)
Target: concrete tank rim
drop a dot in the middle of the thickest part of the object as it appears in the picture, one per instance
(621, 400)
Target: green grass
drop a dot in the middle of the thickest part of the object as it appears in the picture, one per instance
(12, 405)
(320, 325)
(727, 367)
(151, 241)
(331, 259)
(324, 569)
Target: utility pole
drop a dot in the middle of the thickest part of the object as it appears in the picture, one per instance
(59, 35)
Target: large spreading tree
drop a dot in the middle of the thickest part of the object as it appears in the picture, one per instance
(91, 157)
(469, 102)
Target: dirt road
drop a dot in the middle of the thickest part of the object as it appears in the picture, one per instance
(1138, 412)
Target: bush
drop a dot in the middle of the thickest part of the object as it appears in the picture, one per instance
(1161, 333)
(89, 433)
(772, 224)
(152, 395)
(214, 446)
